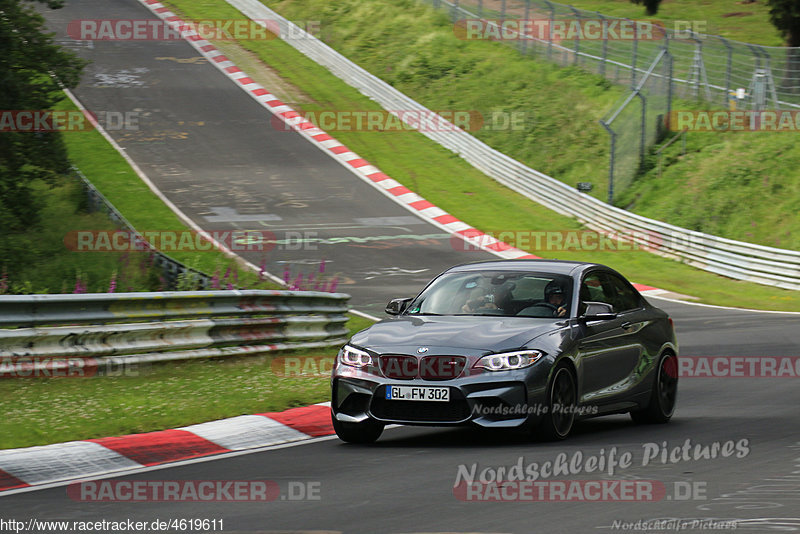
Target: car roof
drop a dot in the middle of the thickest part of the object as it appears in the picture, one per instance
(551, 266)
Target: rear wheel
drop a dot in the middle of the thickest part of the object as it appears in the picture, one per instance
(562, 396)
(664, 393)
(365, 432)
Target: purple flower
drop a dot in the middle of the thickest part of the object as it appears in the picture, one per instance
(80, 287)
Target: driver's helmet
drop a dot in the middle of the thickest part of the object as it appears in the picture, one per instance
(554, 288)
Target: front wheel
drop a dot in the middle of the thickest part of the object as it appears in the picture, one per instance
(365, 432)
(664, 393)
(562, 396)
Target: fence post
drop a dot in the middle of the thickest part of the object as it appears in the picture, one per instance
(668, 63)
(524, 42)
(454, 12)
(756, 88)
(577, 35)
(480, 9)
(550, 29)
(503, 10)
(613, 135)
(634, 55)
(605, 44)
(728, 65)
(643, 135)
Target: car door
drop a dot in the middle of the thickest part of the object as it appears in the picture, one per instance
(610, 350)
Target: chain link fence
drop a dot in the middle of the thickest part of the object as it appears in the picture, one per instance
(638, 122)
(659, 64)
(704, 66)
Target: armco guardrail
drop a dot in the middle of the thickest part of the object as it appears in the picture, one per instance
(734, 259)
(171, 268)
(43, 335)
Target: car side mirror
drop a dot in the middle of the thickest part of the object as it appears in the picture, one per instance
(598, 311)
(397, 306)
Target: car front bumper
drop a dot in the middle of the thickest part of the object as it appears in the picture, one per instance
(508, 399)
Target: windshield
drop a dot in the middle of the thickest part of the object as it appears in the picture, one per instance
(504, 293)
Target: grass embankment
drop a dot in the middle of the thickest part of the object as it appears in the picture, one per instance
(46, 265)
(742, 21)
(108, 171)
(413, 47)
(414, 52)
(143, 399)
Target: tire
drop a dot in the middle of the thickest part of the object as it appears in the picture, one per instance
(562, 393)
(365, 432)
(664, 393)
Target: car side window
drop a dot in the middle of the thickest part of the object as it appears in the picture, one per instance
(624, 297)
(592, 290)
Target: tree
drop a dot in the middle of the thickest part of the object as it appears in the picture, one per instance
(785, 16)
(31, 68)
(651, 6)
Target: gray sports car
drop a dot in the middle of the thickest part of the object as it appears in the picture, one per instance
(528, 344)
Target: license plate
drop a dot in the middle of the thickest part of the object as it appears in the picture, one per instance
(417, 393)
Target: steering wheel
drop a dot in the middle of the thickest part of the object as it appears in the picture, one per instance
(530, 311)
(551, 306)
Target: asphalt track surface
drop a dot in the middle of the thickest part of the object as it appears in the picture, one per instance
(217, 154)
(404, 483)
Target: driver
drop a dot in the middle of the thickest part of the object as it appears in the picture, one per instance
(556, 298)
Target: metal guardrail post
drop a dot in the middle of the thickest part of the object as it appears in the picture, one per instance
(736, 259)
(42, 333)
(171, 268)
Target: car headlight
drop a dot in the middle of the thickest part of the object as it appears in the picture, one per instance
(354, 357)
(509, 361)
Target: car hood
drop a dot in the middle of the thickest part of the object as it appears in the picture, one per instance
(470, 334)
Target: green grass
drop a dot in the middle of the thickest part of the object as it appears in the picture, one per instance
(409, 45)
(740, 21)
(148, 398)
(108, 171)
(746, 22)
(414, 53)
(48, 266)
(741, 185)
(55, 410)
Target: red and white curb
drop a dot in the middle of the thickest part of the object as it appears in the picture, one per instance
(35, 466)
(32, 466)
(474, 239)
(349, 159)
